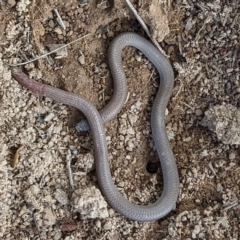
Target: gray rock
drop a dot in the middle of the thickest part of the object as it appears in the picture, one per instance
(224, 120)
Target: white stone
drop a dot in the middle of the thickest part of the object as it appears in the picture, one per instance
(90, 203)
(61, 196)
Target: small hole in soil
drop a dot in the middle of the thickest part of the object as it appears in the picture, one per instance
(152, 167)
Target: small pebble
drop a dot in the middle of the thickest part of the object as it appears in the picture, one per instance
(189, 24)
(232, 156)
(61, 196)
(138, 58)
(219, 187)
(58, 30)
(49, 117)
(83, 1)
(57, 235)
(198, 112)
(11, 2)
(108, 225)
(204, 153)
(51, 23)
(197, 229)
(49, 218)
(98, 224)
(81, 59)
(70, 33)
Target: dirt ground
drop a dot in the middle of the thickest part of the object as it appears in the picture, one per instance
(37, 135)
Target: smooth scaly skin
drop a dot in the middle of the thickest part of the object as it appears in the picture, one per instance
(170, 192)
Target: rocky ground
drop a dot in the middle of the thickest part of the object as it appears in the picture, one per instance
(38, 139)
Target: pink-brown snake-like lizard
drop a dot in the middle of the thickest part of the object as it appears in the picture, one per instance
(97, 119)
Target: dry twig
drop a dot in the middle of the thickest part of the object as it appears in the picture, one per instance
(59, 19)
(46, 54)
(144, 26)
(68, 160)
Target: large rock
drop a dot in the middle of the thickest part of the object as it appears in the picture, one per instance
(224, 120)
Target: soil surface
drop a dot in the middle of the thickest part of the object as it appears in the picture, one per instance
(38, 139)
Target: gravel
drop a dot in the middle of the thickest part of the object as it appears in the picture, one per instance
(202, 41)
